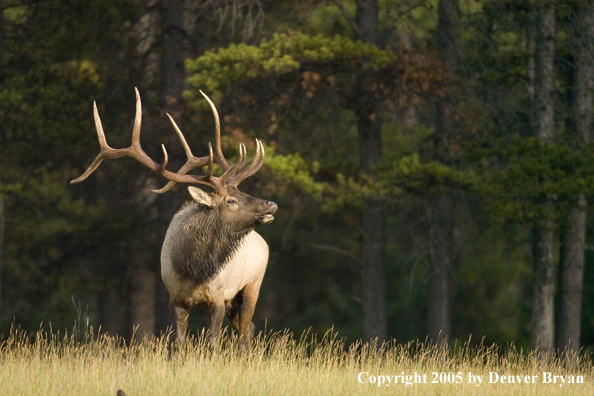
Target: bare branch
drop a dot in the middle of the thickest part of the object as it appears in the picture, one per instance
(338, 250)
(249, 13)
(348, 17)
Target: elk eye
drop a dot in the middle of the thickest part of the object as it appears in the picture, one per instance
(231, 201)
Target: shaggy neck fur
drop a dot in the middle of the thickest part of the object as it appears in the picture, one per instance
(207, 243)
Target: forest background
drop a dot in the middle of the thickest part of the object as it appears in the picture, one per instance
(431, 160)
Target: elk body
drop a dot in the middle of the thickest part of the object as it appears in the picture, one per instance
(211, 254)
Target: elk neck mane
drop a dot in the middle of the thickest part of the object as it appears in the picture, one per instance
(206, 244)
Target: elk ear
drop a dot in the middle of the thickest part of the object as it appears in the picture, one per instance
(203, 198)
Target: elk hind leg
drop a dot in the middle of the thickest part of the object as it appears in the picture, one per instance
(240, 314)
(180, 317)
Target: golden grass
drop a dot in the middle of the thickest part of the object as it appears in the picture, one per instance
(277, 364)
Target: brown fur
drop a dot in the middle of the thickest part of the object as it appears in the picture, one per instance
(211, 256)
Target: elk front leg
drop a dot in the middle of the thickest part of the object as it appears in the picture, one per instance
(180, 317)
(217, 313)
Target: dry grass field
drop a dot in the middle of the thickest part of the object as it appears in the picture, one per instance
(278, 364)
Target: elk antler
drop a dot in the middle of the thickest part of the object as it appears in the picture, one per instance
(232, 175)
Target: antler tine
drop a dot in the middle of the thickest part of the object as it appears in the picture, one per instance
(236, 166)
(206, 179)
(165, 160)
(192, 162)
(106, 151)
(219, 157)
(99, 127)
(210, 161)
(255, 166)
(252, 168)
(137, 122)
(182, 138)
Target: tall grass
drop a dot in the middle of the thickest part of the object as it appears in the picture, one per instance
(81, 363)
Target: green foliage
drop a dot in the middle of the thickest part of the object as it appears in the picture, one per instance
(519, 174)
(293, 169)
(12, 188)
(285, 53)
(514, 183)
(406, 175)
(411, 175)
(43, 218)
(48, 78)
(348, 191)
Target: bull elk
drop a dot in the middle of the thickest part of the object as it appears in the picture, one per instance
(211, 254)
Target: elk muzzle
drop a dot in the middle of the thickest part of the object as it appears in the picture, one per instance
(267, 217)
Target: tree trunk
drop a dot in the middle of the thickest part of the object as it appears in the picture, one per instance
(448, 31)
(373, 279)
(173, 77)
(441, 242)
(571, 275)
(109, 312)
(544, 78)
(441, 220)
(543, 234)
(173, 56)
(2, 222)
(530, 60)
(142, 298)
(367, 11)
(542, 331)
(373, 273)
(582, 51)
(571, 271)
(1, 29)
(2, 208)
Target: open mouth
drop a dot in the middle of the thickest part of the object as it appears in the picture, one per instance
(268, 217)
(265, 219)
